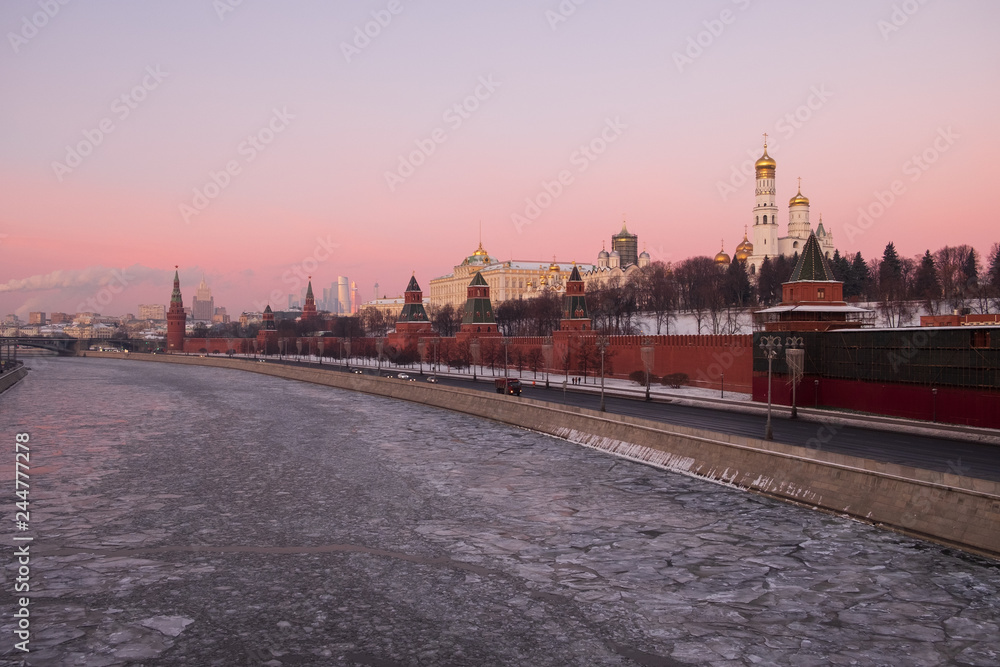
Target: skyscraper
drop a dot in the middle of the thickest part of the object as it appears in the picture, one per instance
(203, 305)
(343, 296)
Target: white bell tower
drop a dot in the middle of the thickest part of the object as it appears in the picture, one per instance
(765, 212)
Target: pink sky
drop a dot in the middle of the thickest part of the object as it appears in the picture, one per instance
(883, 85)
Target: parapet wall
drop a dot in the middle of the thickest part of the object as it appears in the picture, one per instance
(10, 378)
(960, 511)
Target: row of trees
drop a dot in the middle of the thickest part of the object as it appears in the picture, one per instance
(953, 277)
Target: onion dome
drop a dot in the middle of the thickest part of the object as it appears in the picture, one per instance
(765, 165)
(722, 259)
(799, 199)
(643, 255)
(744, 250)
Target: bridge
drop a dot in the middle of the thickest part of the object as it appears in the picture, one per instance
(72, 346)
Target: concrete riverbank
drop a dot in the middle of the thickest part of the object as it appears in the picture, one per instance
(942, 507)
(9, 379)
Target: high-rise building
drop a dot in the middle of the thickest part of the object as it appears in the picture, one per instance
(354, 297)
(203, 305)
(60, 318)
(343, 296)
(36, 318)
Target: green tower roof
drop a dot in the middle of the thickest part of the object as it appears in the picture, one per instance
(812, 264)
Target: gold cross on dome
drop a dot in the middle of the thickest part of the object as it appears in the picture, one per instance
(765, 140)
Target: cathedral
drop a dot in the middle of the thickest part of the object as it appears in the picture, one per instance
(766, 242)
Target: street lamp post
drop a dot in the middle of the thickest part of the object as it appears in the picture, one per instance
(646, 352)
(474, 351)
(281, 351)
(320, 346)
(506, 344)
(934, 404)
(771, 345)
(602, 345)
(379, 343)
(547, 348)
(794, 357)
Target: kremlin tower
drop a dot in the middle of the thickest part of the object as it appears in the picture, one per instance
(176, 318)
(413, 323)
(575, 316)
(309, 309)
(478, 317)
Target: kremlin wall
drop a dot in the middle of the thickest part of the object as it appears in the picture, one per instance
(951, 374)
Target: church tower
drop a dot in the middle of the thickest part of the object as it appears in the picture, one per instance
(798, 219)
(176, 318)
(765, 212)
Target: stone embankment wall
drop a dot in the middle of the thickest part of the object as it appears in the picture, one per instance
(946, 508)
(10, 378)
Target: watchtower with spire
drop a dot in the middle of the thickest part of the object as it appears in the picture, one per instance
(176, 317)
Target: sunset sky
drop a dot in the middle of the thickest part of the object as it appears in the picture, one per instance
(246, 140)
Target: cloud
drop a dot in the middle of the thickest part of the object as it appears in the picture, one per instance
(92, 277)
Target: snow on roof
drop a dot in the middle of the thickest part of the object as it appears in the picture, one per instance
(814, 309)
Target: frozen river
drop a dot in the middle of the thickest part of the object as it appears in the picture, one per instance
(196, 516)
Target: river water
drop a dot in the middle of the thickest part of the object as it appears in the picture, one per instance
(198, 516)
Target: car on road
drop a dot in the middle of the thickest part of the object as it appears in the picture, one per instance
(388, 375)
(358, 371)
(510, 386)
(403, 376)
(432, 379)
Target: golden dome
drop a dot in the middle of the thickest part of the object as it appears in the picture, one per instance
(798, 199)
(765, 162)
(722, 258)
(480, 256)
(744, 249)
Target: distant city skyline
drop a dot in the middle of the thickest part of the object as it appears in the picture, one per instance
(255, 145)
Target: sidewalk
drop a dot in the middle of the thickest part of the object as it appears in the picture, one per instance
(697, 397)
